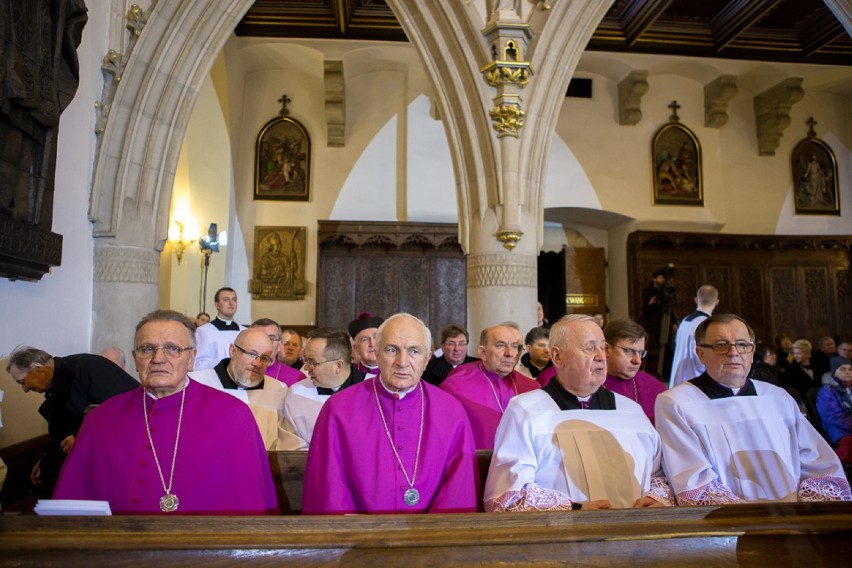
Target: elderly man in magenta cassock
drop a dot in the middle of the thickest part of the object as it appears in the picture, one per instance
(484, 387)
(573, 444)
(731, 439)
(165, 447)
(392, 443)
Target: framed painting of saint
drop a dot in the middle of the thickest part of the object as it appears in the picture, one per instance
(815, 190)
(282, 161)
(676, 166)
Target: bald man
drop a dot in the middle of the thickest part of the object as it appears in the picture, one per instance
(243, 376)
(484, 387)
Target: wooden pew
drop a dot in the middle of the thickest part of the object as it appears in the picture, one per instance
(288, 472)
(784, 534)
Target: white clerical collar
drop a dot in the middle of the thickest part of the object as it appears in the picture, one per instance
(584, 398)
(185, 384)
(736, 391)
(396, 394)
(220, 318)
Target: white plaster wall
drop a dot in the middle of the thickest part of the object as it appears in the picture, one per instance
(202, 195)
(55, 314)
(395, 164)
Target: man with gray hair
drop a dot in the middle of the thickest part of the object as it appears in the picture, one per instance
(172, 445)
(728, 439)
(573, 444)
(685, 363)
(407, 449)
(70, 385)
(484, 387)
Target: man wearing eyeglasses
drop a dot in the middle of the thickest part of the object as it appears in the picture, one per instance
(279, 369)
(243, 375)
(171, 445)
(685, 363)
(454, 341)
(625, 350)
(573, 444)
(70, 384)
(484, 387)
(328, 362)
(731, 439)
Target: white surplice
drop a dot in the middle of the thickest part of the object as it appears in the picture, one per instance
(302, 406)
(744, 448)
(546, 458)
(266, 404)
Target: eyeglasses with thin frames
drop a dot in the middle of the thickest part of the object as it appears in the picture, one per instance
(170, 350)
(724, 347)
(265, 359)
(631, 352)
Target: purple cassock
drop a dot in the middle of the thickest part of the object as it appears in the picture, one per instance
(221, 466)
(484, 396)
(546, 376)
(284, 373)
(643, 388)
(351, 465)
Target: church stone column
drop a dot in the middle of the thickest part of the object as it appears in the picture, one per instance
(500, 69)
(126, 284)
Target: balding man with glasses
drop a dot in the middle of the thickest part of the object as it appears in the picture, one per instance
(243, 375)
(730, 439)
(625, 350)
(172, 445)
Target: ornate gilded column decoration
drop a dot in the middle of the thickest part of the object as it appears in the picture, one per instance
(508, 37)
(508, 71)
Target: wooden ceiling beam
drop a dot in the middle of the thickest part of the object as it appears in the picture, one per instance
(639, 16)
(819, 32)
(737, 17)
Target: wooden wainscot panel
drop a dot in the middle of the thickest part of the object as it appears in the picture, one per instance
(788, 534)
(793, 285)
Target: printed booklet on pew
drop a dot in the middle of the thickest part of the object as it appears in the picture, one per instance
(71, 507)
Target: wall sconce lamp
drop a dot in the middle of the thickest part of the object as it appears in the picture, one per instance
(177, 241)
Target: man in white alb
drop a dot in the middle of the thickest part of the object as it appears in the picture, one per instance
(685, 363)
(730, 439)
(216, 336)
(573, 444)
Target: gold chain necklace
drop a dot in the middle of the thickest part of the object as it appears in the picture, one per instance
(168, 503)
(494, 391)
(411, 495)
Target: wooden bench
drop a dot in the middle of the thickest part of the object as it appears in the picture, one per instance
(784, 534)
(288, 472)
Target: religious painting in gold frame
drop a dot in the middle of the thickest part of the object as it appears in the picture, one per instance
(279, 263)
(815, 189)
(676, 166)
(282, 161)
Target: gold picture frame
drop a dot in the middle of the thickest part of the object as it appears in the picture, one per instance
(815, 189)
(282, 161)
(676, 166)
(279, 263)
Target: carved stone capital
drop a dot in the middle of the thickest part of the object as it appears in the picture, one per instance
(335, 103)
(717, 95)
(630, 92)
(772, 113)
(508, 119)
(513, 269)
(126, 264)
